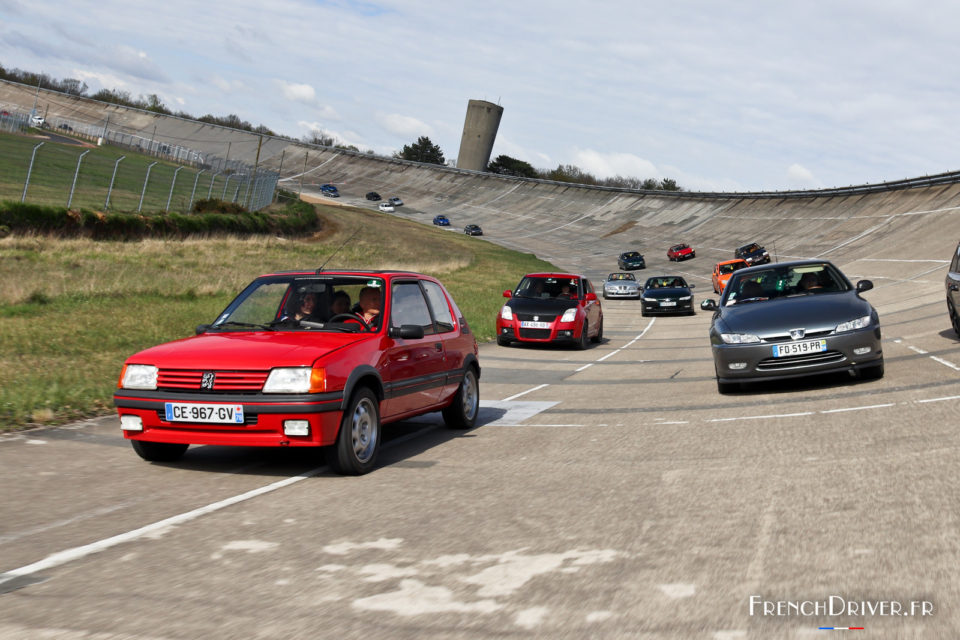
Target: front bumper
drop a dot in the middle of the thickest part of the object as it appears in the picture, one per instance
(682, 306)
(617, 293)
(558, 333)
(756, 362)
(264, 415)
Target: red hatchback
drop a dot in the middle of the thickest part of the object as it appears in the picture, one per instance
(681, 252)
(290, 363)
(551, 307)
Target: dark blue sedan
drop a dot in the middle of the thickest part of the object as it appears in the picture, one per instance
(441, 221)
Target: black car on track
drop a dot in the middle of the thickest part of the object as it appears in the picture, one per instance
(667, 294)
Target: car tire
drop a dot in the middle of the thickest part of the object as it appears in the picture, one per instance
(872, 373)
(599, 337)
(159, 451)
(643, 312)
(355, 452)
(584, 341)
(462, 412)
(954, 320)
(727, 387)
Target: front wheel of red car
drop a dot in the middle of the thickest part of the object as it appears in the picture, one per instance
(462, 412)
(358, 442)
(584, 341)
(599, 337)
(159, 451)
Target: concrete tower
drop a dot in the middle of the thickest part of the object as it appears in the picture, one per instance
(479, 134)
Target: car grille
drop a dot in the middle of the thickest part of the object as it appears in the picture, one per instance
(224, 381)
(540, 318)
(535, 334)
(805, 360)
(808, 336)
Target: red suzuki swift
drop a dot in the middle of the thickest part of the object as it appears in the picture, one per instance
(551, 307)
(306, 359)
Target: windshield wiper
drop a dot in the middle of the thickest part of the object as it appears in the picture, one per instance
(246, 325)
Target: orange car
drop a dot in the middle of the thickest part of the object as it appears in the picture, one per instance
(722, 271)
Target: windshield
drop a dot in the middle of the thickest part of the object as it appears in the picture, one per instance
(750, 248)
(632, 254)
(668, 282)
(548, 287)
(299, 303)
(731, 267)
(784, 282)
(621, 276)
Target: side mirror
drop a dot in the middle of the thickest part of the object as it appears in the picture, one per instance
(202, 328)
(406, 332)
(864, 285)
(507, 294)
(708, 305)
(590, 297)
(691, 286)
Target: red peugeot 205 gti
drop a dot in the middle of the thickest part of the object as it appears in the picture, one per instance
(306, 359)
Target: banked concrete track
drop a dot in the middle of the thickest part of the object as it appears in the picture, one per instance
(608, 493)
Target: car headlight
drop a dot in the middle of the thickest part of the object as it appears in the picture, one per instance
(139, 376)
(569, 315)
(295, 380)
(859, 323)
(685, 297)
(646, 299)
(739, 338)
(506, 313)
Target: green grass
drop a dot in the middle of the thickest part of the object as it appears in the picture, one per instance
(71, 310)
(55, 164)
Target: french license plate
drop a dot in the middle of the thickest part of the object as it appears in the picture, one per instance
(799, 348)
(668, 303)
(192, 412)
(530, 324)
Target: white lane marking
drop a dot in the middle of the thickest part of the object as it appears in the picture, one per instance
(612, 353)
(897, 260)
(917, 350)
(775, 415)
(872, 406)
(937, 399)
(586, 366)
(76, 553)
(647, 328)
(522, 393)
(945, 362)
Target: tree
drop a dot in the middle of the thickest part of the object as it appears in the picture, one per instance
(423, 150)
(507, 166)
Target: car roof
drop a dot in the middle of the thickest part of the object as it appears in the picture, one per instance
(552, 275)
(342, 272)
(793, 263)
(732, 261)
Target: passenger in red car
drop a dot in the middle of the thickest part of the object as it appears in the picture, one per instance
(340, 304)
(308, 306)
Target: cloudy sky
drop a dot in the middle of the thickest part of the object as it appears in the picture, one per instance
(720, 96)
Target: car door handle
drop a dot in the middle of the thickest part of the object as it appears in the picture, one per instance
(438, 346)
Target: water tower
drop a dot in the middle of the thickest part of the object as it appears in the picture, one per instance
(479, 134)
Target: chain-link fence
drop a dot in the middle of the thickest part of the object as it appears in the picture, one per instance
(79, 174)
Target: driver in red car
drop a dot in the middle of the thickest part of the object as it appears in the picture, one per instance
(369, 306)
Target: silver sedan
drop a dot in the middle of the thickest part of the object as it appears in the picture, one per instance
(793, 319)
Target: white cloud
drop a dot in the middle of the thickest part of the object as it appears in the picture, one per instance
(298, 92)
(403, 126)
(799, 177)
(608, 165)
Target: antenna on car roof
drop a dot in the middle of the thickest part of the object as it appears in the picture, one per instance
(320, 268)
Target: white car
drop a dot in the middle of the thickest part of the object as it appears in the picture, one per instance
(36, 121)
(386, 206)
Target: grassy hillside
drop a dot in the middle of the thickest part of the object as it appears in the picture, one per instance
(72, 310)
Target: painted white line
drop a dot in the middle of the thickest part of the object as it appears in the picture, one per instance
(586, 366)
(917, 350)
(522, 393)
(777, 415)
(76, 553)
(612, 353)
(872, 406)
(937, 399)
(945, 362)
(897, 260)
(674, 422)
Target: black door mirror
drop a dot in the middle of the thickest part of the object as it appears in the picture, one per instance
(864, 285)
(708, 305)
(202, 328)
(406, 332)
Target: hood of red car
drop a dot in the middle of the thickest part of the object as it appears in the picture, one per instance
(247, 350)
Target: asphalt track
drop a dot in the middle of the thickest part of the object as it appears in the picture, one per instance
(609, 493)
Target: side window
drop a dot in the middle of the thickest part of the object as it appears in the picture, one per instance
(438, 303)
(409, 307)
(955, 263)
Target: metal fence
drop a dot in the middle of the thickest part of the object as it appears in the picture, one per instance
(134, 177)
